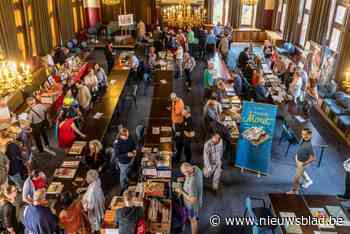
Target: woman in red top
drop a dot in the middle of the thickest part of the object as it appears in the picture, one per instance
(67, 131)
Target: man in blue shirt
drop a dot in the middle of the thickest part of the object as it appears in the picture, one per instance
(38, 218)
(211, 43)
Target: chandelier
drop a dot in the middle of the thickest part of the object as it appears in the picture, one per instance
(13, 77)
(110, 2)
(250, 2)
(184, 14)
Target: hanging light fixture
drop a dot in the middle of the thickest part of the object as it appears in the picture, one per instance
(250, 2)
(110, 2)
(184, 14)
(13, 76)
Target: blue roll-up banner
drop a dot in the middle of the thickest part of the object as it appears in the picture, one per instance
(256, 133)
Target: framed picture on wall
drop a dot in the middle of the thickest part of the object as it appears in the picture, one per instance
(335, 39)
(340, 15)
(328, 65)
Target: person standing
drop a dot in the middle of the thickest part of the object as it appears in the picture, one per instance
(179, 55)
(38, 218)
(157, 37)
(93, 201)
(189, 65)
(192, 192)
(72, 218)
(177, 106)
(125, 152)
(208, 80)
(210, 43)
(39, 123)
(141, 29)
(16, 166)
(304, 157)
(346, 194)
(35, 181)
(134, 66)
(109, 56)
(212, 154)
(188, 133)
(9, 210)
(191, 41)
(84, 96)
(128, 217)
(224, 47)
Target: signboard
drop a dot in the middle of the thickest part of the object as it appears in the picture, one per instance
(125, 20)
(256, 133)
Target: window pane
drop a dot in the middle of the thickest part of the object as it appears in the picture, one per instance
(247, 14)
(283, 18)
(304, 28)
(300, 11)
(330, 19)
(335, 39)
(308, 5)
(218, 11)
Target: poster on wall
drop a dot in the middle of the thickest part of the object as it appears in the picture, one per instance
(125, 20)
(328, 65)
(313, 52)
(256, 133)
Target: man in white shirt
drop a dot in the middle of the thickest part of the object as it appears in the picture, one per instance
(179, 60)
(134, 65)
(212, 154)
(346, 195)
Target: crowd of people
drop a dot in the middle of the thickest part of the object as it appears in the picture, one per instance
(85, 214)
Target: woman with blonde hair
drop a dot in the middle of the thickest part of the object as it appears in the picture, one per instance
(94, 158)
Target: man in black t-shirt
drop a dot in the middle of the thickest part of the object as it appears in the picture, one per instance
(304, 157)
(188, 133)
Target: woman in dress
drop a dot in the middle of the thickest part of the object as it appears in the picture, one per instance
(93, 200)
(68, 131)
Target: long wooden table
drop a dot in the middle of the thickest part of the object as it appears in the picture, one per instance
(298, 204)
(96, 128)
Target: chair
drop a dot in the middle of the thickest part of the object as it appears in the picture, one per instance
(258, 213)
(131, 95)
(287, 136)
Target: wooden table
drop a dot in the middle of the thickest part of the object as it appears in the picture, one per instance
(96, 128)
(281, 202)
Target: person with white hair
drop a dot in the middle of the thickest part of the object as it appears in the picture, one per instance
(94, 200)
(38, 218)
